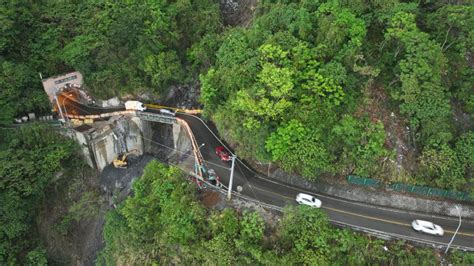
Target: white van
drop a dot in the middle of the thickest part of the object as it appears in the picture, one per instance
(135, 105)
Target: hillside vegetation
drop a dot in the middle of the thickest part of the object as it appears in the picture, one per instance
(163, 223)
(379, 89)
(120, 47)
(37, 164)
(299, 85)
(376, 88)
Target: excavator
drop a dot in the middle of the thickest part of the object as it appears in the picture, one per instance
(121, 161)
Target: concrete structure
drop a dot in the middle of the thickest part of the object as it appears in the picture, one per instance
(103, 141)
(52, 85)
(104, 136)
(375, 197)
(80, 134)
(166, 119)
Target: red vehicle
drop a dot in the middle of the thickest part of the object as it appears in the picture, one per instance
(223, 154)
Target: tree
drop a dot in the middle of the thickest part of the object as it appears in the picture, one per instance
(268, 100)
(203, 53)
(340, 32)
(163, 68)
(360, 144)
(443, 167)
(299, 149)
(32, 158)
(423, 97)
(161, 214)
(458, 257)
(37, 257)
(451, 27)
(249, 243)
(19, 94)
(465, 152)
(305, 235)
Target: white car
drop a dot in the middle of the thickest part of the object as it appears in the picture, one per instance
(427, 227)
(309, 200)
(167, 112)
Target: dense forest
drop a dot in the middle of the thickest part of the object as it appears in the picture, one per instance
(322, 88)
(120, 47)
(308, 83)
(36, 163)
(164, 223)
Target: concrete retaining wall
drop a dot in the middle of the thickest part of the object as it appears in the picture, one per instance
(107, 141)
(145, 130)
(83, 143)
(378, 197)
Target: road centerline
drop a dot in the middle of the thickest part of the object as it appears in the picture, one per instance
(361, 215)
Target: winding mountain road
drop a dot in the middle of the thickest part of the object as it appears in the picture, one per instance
(377, 220)
(365, 217)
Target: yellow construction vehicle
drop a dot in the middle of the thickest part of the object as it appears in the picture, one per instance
(121, 161)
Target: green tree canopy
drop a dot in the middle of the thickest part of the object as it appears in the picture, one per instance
(31, 159)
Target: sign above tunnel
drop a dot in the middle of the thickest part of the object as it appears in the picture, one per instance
(53, 85)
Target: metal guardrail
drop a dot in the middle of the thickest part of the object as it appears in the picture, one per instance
(429, 191)
(103, 115)
(53, 123)
(373, 232)
(389, 236)
(157, 118)
(186, 111)
(241, 196)
(142, 115)
(376, 233)
(362, 181)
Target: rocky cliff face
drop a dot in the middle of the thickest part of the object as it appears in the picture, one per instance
(238, 12)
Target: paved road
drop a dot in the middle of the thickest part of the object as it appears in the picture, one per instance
(71, 106)
(374, 218)
(364, 216)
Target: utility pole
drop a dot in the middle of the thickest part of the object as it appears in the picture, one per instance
(65, 110)
(229, 192)
(59, 108)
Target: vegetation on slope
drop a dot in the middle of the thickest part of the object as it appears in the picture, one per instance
(120, 47)
(291, 88)
(163, 223)
(49, 197)
(294, 88)
(30, 158)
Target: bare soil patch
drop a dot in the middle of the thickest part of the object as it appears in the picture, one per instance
(398, 133)
(210, 198)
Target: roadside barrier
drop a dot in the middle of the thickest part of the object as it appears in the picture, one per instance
(362, 181)
(419, 190)
(429, 191)
(186, 111)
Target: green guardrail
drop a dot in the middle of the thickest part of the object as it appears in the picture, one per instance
(419, 190)
(363, 181)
